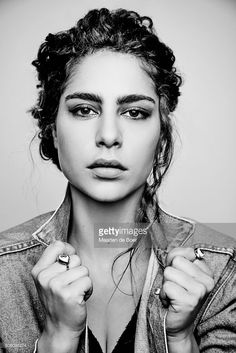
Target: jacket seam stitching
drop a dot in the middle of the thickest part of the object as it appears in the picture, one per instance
(226, 251)
(19, 250)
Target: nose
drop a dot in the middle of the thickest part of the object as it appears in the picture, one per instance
(108, 132)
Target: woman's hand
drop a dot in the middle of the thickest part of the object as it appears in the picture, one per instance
(186, 283)
(62, 293)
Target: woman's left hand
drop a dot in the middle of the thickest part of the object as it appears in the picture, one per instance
(186, 283)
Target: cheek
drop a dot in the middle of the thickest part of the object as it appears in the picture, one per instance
(70, 145)
(146, 146)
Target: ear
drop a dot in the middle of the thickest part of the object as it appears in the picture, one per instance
(54, 134)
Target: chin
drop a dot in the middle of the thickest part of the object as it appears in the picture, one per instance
(107, 196)
(107, 192)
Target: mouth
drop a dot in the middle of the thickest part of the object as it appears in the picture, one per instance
(107, 169)
(104, 163)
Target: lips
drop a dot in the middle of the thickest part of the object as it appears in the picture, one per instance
(104, 163)
(107, 169)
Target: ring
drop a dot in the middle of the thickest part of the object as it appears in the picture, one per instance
(198, 254)
(64, 259)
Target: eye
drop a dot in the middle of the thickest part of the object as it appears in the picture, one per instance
(83, 111)
(136, 114)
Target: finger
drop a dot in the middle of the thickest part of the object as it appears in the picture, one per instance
(49, 256)
(198, 289)
(193, 270)
(179, 300)
(81, 288)
(56, 269)
(73, 275)
(172, 291)
(203, 266)
(188, 253)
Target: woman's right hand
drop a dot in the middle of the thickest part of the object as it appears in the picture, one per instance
(62, 293)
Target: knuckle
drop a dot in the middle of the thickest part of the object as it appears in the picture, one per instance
(174, 251)
(194, 301)
(176, 260)
(166, 286)
(210, 284)
(167, 272)
(76, 260)
(66, 295)
(172, 254)
(34, 272)
(54, 285)
(41, 279)
(84, 271)
(59, 244)
(201, 290)
(88, 282)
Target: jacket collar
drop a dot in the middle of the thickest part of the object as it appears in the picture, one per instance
(167, 234)
(56, 227)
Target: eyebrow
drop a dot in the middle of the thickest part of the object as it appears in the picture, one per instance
(134, 98)
(84, 96)
(120, 100)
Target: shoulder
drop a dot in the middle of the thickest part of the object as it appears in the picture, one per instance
(219, 249)
(19, 252)
(191, 232)
(205, 234)
(21, 310)
(20, 236)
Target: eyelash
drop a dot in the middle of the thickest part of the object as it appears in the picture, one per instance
(75, 111)
(144, 114)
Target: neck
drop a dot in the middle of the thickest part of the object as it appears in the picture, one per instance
(87, 212)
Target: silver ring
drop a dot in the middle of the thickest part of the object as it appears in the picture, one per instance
(198, 254)
(64, 259)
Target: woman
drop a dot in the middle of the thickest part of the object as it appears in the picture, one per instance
(107, 88)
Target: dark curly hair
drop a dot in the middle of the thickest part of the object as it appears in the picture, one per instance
(119, 31)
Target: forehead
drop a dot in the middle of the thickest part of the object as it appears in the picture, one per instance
(110, 72)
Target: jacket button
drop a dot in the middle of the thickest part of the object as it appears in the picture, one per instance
(157, 291)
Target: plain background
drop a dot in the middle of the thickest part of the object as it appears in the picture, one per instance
(201, 182)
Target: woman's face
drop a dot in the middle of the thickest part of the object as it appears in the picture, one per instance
(107, 126)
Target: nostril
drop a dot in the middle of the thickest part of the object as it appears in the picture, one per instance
(108, 144)
(108, 140)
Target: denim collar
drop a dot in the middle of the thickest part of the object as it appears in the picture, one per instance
(168, 233)
(56, 227)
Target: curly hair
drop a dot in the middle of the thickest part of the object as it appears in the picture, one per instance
(119, 31)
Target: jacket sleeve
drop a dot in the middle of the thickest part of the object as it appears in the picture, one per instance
(216, 331)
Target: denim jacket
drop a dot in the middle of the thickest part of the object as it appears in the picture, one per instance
(22, 315)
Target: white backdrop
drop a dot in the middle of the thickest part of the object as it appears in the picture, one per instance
(201, 183)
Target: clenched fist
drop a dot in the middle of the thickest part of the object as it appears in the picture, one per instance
(62, 293)
(186, 283)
